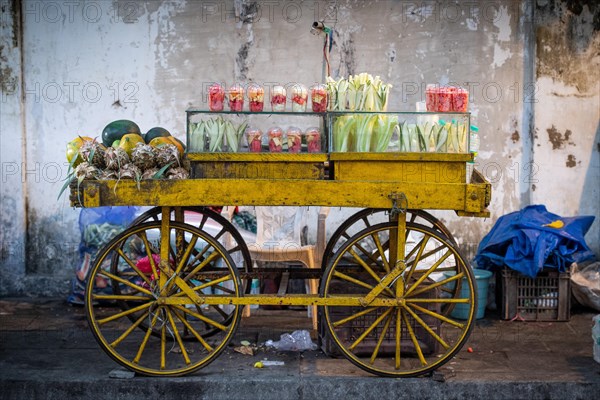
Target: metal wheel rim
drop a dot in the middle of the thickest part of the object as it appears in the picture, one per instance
(115, 335)
(385, 330)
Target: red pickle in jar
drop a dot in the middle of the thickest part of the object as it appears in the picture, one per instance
(254, 137)
(275, 136)
(318, 97)
(299, 97)
(294, 139)
(236, 98)
(431, 94)
(278, 98)
(256, 97)
(460, 100)
(444, 99)
(313, 140)
(216, 97)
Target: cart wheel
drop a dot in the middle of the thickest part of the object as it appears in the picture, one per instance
(370, 216)
(215, 225)
(204, 219)
(415, 335)
(147, 333)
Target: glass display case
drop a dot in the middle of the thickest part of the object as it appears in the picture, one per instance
(329, 132)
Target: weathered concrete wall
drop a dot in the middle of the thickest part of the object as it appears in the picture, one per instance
(566, 150)
(12, 198)
(88, 63)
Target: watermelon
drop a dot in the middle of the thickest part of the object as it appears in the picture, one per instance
(117, 129)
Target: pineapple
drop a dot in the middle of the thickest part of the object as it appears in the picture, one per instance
(177, 173)
(115, 158)
(130, 171)
(86, 171)
(93, 153)
(143, 156)
(149, 173)
(166, 154)
(109, 174)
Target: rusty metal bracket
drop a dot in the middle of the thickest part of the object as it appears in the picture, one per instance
(399, 203)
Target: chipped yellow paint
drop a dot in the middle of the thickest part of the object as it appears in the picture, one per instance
(196, 192)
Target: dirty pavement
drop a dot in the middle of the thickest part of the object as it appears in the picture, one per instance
(48, 352)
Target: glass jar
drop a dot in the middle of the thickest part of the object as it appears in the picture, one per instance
(313, 140)
(236, 98)
(444, 99)
(254, 138)
(256, 97)
(431, 93)
(460, 100)
(275, 136)
(294, 139)
(299, 97)
(278, 98)
(318, 97)
(216, 97)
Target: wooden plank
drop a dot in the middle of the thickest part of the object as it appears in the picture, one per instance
(196, 192)
(258, 157)
(254, 170)
(391, 156)
(401, 170)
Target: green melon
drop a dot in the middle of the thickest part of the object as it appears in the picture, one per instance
(156, 132)
(116, 129)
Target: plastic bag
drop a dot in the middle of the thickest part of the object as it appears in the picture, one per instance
(97, 226)
(586, 284)
(297, 341)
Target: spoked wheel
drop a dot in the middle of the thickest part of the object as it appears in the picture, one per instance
(406, 330)
(215, 225)
(371, 216)
(159, 330)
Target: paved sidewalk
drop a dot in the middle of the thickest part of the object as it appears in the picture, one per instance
(48, 352)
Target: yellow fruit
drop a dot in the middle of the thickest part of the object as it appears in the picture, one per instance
(73, 149)
(129, 141)
(159, 141)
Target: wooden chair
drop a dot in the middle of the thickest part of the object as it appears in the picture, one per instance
(278, 240)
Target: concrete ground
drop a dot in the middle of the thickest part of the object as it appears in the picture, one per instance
(48, 352)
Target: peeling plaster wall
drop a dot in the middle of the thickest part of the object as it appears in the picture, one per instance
(12, 202)
(87, 64)
(566, 148)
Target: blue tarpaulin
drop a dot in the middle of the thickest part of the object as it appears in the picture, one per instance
(533, 238)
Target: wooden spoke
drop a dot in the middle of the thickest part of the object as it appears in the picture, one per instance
(124, 313)
(440, 283)
(417, 258)
(201, 317)
(429, 271)
(413, 337)
(354, 316)
(121, 297)
(398, 338)
(184, 353)
(125, 334)
(386, 264)
(134, 267)
(436, 315)
(427, 328)
(370, 328)
(350, 279)
(381, 337)
(203, 264)
(191, 329)
(142, 347)
(369, 270)
(126, 282)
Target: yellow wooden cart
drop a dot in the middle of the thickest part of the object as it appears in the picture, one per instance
(389, 290)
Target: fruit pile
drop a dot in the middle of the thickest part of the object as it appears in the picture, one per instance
(126, 153)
